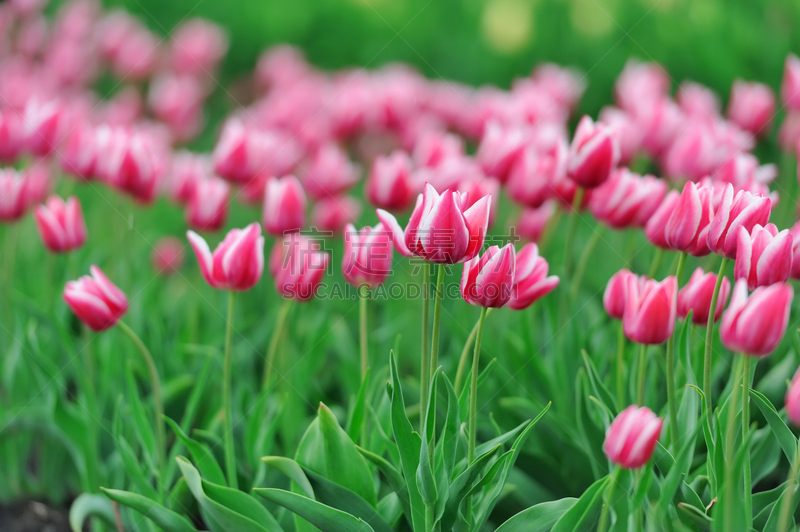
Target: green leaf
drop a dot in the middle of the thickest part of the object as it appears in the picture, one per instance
(600, 389)
(584, 513)
(445, 452)
(776, 424)
(775, 515)
(392, 475)
(324, 517)
(539, 518)
(201, 454)
(425, 478)
(144, 429)
(163, 517)
(676, 474)
(358, 414)
(291, 469)
(87, 505)
(343, 499)
(461, 486)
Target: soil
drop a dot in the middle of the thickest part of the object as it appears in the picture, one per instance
(33, 516)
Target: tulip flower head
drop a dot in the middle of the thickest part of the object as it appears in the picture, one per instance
(632, 436)
(96, 300)
(686, 229)
(655, 228)
(367, 255)
(488, 279)
(168, 255)
(790, 86)
(792, 400)
(746, 210)
(238, 261)
(389, 184)
(754, 325)
(795, 232)
(531, 178)
(696, 297)
(332, 214)
(594, 154)
(13, 195)
(764, 256)
(650, 310)
(616, 294)
(751, 107)
(284, 206)
(532, 223)
(207, 209)
(441, 230)
(61, 225)
(627, 199)
(331, 173)
(531, 281)
(297, 264)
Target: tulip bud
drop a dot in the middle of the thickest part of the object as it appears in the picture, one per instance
(297, 264)
(476, 188)
(499, 149)
(531, 177)
(433, 147)
(331, 173)
(133, 161)
(616, 294)
(764, 256)
(11, 136)
(61, 225)
(237, 263)
(795, 232)
(167, 255)
(45, 126)
(367, 255)
(696, 297)
(207, 209)
(389, 185)
(186, 172)
(790, 86)
(792, 400)
(687, 227)
(639, 84)
(627, 199)
(627, 130)
(655, 229)
(334, 213)
(594, 153)
(693, 153)
(742, 210)
(751, 107)
(96, 300)
(532, 223)
(698, 101)
(284, 206)
(531, 281)
(754, 325)
(487, 279)
(632, 436)
(80, 152)
(13, 195)
(650, 310)
(197, 47)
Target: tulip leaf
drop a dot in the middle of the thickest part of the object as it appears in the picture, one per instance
(324, 517)
(425, 478)
(358, 414)
(776, 424)
(144, 429)
(461, 486)
(600, 389)
(163, 517)
(446, 450)
(539, 518)
(392, 475)
(87, 505)
(775, 515)
(583, 514)
(291, 469)
(677, 472)
(202, 455)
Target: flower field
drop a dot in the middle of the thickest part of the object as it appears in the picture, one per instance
(296, 299)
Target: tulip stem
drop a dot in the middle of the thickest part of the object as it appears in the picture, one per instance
(425, 361)
(748, 490)
(437, 315)
(679, 267)
(363, 295)
(230, 451)
(788, 495)
(659, 254)
(621, 367)
(671, 399)
(159, 405)
(473, 403)
(642, 375)
(730, 438)
(709, 339)
(280, 324)
(607, 499)
(583, 262)
(571, 227)
(462, 362)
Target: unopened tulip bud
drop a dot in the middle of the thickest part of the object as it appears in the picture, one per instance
(61, 225)
(764, 256)
(686, 229)
(488, 279)
(790, 86)
(751, 107)
(696, 297)
(207, 209)
(616, 294)
(627, 199)
(594, 154)
(284, 206)
(632, 437)
(331, 173)
(13, 195)
(655, 229)
(237, 263)
(742, 210)
(650, 310)
(334, 213)
(96, 300)
(754, 325)
(297, 264)
(367, 255)
(389, 185)
(531, 281)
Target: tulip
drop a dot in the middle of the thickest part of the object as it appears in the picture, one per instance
(789, 132)
(367, 255)
(795, 232)
(532, 223)
(632, 436)
(754, 325)
(207, 209)
(764, 256)
(434, 147)
(639, 84)
(334, 213)
(38, 182)
(389, 185)
(628, 132)
(96, 300)
(698, 101)
(741, 170)
(531, 281)
(477, 188)
(792, 400)
(449, 174)
(237, 263)
(13, 195)
(565, 85)
(488, 279)
(616, 294)
(196, 48)
(284, 206)
(687, 227)
(696, 297)
(594, 153)
(751, 107)
(168, 255)
(177, 101)
(790, 86)
(650, 309)
(693, 153)
(331, 173)
(742, 210)
(440, 230)
(11, 136)
(186, 172)
(80, 152)
(133, 162)
(45, 124)
(531, 178)
(655, 228)
(499, 149)
(61, 225)
(297, 264)
(627, 199)
(658, 121)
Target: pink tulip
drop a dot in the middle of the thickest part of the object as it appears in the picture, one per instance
(754, 325)
(96, 300)
(650, 310)
(751, 107)
(655, 228)
(696, 296)
(628, 132)
(658, 121)
(207, 208)
(80, 152)
(12, 135)
(632, 437)
(792, 400)
(433, 147)
(790, 86)
(284, 206)
(234, 155)
(531, 281)
(687, 227)
(334, 213)
(764, 256)
(531, 178)
(594, 154)
(488, 279)
(13, 195)
(639, 84)
(133, 161)
(440, 229)
(499, 149)
(742, 169)
(627, 199)
(532, 223)
(476, 188)
(789, 132)
(615, 296)
(44, 125)
(38, 182)
(564, 85)
(177, 101)
(281, 66)
(297, 264)
(367, 255)
(237, 263)
(795, 232)
(61, 225)
(389, 185)
(698, 101)
(742, 210)
(331, 173)
(448, 174)
(187, 170)
(196, 48)
(693, 153)
(168, 255)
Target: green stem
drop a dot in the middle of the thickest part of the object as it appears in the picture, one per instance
(280, 325)
(659, 254)
(709, 339)
(462, 362)
(437, 315)
(730, 440)
(430, 517)
(748, 489)
(425, 361)
(155, 382)
(607, 499)
(573, 221)
(642, 375)
(473, 404)
(679, 268)
(230, 451)
(671, 399)
(363, 293)
(583, 262)
(788, 496)
(621, 366)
